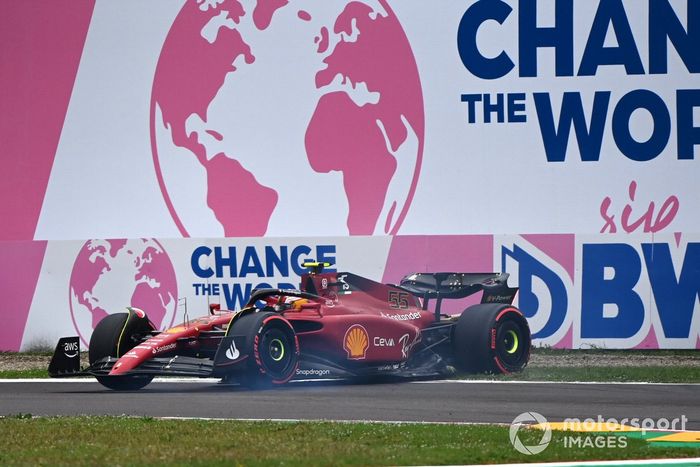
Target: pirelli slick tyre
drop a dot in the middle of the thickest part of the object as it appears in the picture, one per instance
(491, 338)
(114, 336)
(272, 348)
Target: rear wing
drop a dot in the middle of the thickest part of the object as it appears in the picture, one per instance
(454, 285)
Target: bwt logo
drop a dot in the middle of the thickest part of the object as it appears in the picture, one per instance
(613, 294)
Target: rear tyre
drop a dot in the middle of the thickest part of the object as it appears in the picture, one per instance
(114, 336)
(492, 338)
(272, 348)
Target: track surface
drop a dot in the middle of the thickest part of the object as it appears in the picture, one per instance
(423, 402)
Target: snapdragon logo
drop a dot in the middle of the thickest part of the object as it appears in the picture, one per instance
(312, 372)
(529, 418)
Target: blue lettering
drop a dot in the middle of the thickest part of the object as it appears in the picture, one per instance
(597, 291)
(611, 12)
(648, 150)
(221, 261)
(531, 37)
(665, 26)
(194, 262)
(235, 296)
(675, 299)
(323, 254)
(498, 108)
(296, 259)
(471, 100)
(272, 261)
(516, 103)
(688, 135)
(556, 139)
(251, 263)
(473, 60)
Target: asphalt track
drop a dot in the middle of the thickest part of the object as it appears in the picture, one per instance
(434, 401)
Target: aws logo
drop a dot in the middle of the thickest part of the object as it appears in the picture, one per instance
(355, 342)
(71, 349)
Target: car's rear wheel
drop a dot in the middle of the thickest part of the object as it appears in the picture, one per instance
(492, 338)
(272, 348)
(114, 336)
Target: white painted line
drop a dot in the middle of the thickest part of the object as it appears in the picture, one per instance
(307, 420)
(596, 383)
(690, 462)
(48, 380)
(440, 381)
(93, 380)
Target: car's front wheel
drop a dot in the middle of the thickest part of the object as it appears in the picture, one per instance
(114, 336)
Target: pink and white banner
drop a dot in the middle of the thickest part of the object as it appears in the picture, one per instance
(573, 125)
(576, 291)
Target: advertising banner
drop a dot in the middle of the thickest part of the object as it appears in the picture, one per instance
(556, 140)
(576, 291)
(314, 118)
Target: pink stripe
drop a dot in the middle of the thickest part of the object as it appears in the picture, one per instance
(649, 342)
(19, 272)
(40, 44)
(447, 253)
(560, 247)
(566, 342)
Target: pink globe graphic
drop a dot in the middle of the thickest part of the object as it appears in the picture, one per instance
(109, 275)
(287, 118)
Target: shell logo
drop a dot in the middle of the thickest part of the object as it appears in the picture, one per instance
(356, 342)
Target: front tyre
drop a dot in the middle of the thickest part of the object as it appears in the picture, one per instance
(114, 336)
(492, 338)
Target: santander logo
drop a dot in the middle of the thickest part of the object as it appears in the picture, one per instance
(259, 105)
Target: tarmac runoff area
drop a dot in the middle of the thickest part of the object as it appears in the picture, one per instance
(452, 401)
(425, 402)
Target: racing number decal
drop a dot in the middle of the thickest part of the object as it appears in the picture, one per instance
(398, 300)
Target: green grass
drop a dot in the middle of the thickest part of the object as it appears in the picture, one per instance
(138, 441)
(40, 352)
(619, 352)
(18, 374)
(676, 372)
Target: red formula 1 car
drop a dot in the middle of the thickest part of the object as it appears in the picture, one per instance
(339, 325)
